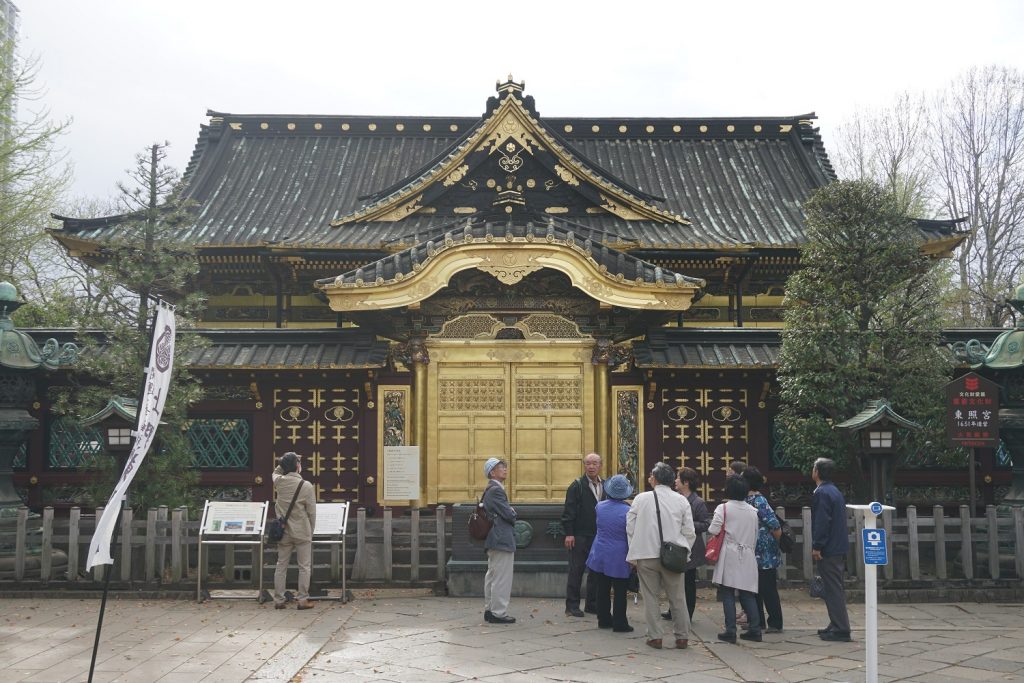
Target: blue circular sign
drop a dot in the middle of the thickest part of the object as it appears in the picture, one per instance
(876, 508)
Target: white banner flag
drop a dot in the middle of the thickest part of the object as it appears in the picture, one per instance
(151, 407)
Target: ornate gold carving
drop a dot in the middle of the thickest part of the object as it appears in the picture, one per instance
(464, 209)
(235, 125)
(785, 127)
(472, 326)
(510, 355)
(557, 209)
(566, 175)
(549, 394)
(620, 210)
(403, 211)
(509, 275)
(551, 326)
(456, 175)
(466, 396)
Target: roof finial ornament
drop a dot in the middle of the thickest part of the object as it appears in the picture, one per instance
(509, 87)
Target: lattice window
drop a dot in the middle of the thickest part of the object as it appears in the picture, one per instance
(552, 326)
(71, 444)
(549, 394)
(221, 443)
(472, 395)
(780, 461)
(1003, 459)
(472, 326)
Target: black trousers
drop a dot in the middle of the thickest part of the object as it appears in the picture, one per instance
(609, 613)
(577, 565)
(768, 597)
(831, 569)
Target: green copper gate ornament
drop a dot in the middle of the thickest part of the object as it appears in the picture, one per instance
(1003, 362)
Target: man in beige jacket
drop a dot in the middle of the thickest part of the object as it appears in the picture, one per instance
(298, 533)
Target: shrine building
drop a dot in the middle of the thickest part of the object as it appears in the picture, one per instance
(506, 285)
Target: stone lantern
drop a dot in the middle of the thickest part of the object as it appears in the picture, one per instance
(877, 425)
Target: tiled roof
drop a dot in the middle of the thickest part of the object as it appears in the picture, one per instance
(259, 349)
(281, 180)
(614, 261)
(704, 348)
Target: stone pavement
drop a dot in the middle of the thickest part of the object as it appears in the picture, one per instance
(410, 636)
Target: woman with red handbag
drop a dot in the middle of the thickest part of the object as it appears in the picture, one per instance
(736, 568)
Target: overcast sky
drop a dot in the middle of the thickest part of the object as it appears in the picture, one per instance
(133, 72)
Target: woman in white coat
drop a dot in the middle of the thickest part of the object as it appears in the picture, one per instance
(736, 568)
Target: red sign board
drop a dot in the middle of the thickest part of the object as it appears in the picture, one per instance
(972, 412)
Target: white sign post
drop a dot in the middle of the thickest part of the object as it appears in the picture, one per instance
(401, 473)
(875, 553)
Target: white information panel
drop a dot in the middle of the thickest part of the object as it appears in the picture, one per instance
(401, 473)
(222, 517)
(331, 519)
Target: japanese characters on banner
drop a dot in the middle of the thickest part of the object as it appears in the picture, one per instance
(151, 407)
(972, 412)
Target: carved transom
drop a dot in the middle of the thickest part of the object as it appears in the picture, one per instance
(471, 395)
(533, 326)
(549, 394)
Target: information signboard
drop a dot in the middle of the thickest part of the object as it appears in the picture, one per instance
(972, 412)
(223, 517)
(401, 475)
(331, 519)
(875, 551)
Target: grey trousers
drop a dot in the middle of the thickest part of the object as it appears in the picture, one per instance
(653, 577)
(831, 569)
(498, 581)
(303, 557)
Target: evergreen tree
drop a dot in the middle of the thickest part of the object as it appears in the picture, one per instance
(862, 322)
(145, 261)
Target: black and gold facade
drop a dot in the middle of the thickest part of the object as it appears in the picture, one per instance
(506, 285)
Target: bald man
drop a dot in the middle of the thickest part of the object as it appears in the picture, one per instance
(579, 523)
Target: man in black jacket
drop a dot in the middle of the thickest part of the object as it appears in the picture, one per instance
(579, 523)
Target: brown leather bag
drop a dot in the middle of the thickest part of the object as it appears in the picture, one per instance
(479, 522)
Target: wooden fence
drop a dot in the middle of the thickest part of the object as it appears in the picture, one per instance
(162, 550)
(413, 549)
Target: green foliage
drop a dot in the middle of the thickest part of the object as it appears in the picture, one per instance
(146, 260)
(863, 321)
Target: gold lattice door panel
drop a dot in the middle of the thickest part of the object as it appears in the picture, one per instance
(706, 424)
(548, 430)
(473, 424)
(530, 405)
(322, 425)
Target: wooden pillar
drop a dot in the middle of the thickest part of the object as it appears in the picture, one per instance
(602, 417)
(420, 360)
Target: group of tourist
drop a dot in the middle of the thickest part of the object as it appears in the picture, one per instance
(617, 541)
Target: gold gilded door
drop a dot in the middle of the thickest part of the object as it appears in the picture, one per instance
(531, 405)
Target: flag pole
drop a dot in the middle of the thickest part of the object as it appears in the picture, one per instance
(109, 569)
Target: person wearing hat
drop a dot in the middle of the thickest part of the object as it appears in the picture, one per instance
(500, 544)
(607, 560)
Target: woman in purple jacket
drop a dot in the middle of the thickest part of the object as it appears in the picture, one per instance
(607, 560)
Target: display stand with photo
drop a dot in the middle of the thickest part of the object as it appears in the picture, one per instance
(232, 523)
(331, 526)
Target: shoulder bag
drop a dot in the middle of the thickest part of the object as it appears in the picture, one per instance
(714, 546)
(786, 541)
(673, 556)
(276, 527)
(479, 523)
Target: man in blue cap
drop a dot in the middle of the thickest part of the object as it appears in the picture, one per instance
(500, 544)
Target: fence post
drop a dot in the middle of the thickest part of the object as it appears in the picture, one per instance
(912, 543)
(441, 541)
(161, 548)
(939, 517)
(388, 550)
(359, 560)
(150, 544)
(993, 541)
(229, 564)
(414, 546)
(1018, 530)
(97, 569)
(126, 544)
(19, 543)
(806, 540)
(176, 545)
(184, 542)
(46, 558)
(966, 543)
(858, 539)
(780, 512)
(73, 522)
